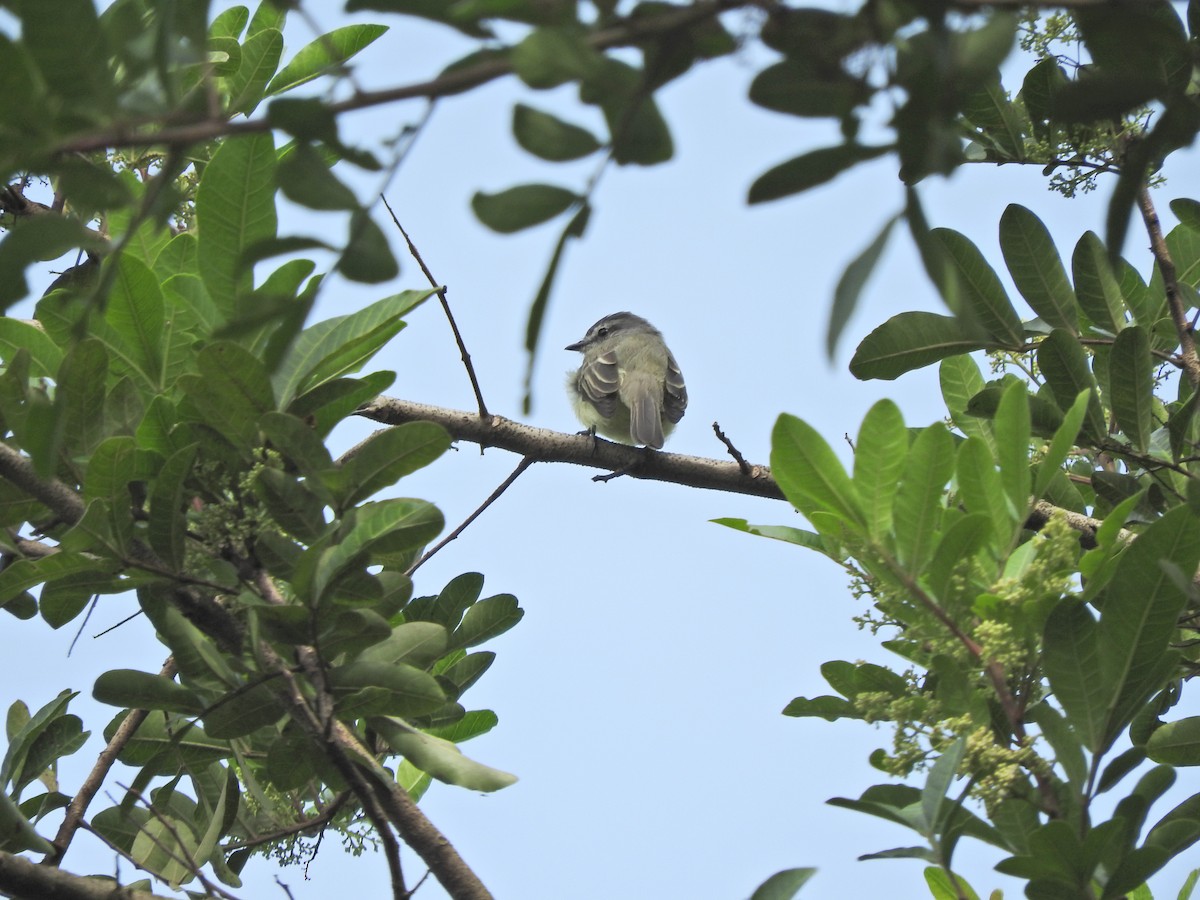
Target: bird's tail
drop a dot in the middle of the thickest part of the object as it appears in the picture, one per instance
(645, 416)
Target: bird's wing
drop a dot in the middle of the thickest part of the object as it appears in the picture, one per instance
(675, 392)
(598, 382)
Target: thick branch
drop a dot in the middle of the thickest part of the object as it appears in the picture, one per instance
(21, 878)
(543, 445)
(53, 493)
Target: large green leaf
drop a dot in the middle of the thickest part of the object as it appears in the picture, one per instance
(985, 302)
(135, 312)
(1131, 379)
(323, 55)
(961, 380)
(912, 340)
(341, 345)
(878, 461)
(1036, 268)
(132, 689)
(918, 507)
(1064, 364)
(440, 758)
(1176, 743)
(1096, 286)
(260, 58)
(235, 208)
(809, 474)
(1012, 428)
(387, 456)
(980, 488)
(230, 392)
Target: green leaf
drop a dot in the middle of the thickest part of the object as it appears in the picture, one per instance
(1131, 379)
(959, 543)
(385, 526)
(230, 392)
(1096, 286)
(981, 489)
(809, 170)
(917, 511)
(486, 619)
(168, 516)
(235, 208)
(985, 302)
(537, 309)
(1012, 428)
(341, 345)
(783, 885)
(135, 312)
(1140, 612)
(960, 380)
(440, 758)
(1060, 446)
(851, 284)
(367, 688)
(791, 86)
(79, 401)
(810, 475)
(260, 59)
(522, 207)
(1064, 364)
(879, 458)
(131, 689)
(324, 55)
(1176, 743)
(368, 257)
(912, 340)
(44, 355)
(943, 886)
(418, 644)
(74, 65)
(305, 178)
(548, 57)
(1073, 666)
(549, 137)
(1036, 268)
(387, 456)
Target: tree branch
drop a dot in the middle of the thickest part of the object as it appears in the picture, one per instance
(544, 445)
(1158, 246)
(21, 878)
(61, 500)
(623, 33)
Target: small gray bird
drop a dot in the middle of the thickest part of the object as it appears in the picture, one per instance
(629, 387)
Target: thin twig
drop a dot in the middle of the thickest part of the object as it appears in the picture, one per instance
(317, 821)
(524, 464)
(733, 451)
(441, 292)
(1158, 246)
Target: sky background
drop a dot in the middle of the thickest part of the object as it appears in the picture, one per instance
(640, 697)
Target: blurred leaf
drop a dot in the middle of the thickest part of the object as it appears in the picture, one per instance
(522, 207)
(783, 885)
(549, 137)
(809, 170)
(548, 57)
(37, 239)
(850, 285)
(368, 257)
(791, 86)
(305, 179)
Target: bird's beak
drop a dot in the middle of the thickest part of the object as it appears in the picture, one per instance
(578, 345)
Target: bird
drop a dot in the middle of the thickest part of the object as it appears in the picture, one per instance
(629, 387)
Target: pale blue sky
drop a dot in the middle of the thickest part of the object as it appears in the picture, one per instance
(639, 699)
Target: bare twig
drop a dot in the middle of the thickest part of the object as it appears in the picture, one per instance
(733, 451)
(1158, 246)
(441, 292)
(524, 464)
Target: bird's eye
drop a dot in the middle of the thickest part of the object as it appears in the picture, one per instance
(602, 331)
